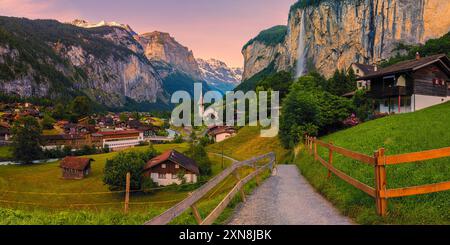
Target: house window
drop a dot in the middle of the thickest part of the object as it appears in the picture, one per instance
(174, 176)
(161, 176)
(357, 71)
(163, 166)
(177, 166)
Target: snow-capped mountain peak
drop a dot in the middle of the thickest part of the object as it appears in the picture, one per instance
(86, 24)
(217, 74)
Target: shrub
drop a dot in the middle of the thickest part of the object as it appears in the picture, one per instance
(26, 139)
(117, 168)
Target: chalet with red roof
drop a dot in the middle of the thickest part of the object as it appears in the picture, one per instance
(165, 169)
(75, 167)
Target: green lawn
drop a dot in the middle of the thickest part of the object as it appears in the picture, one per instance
(248, 143)
(55, 209)
(6, 152)
(423, 130)
(46, 178)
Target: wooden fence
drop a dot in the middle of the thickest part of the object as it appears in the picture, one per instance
(190, 202)
(379, 161)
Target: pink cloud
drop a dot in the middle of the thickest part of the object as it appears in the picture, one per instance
(35, 9)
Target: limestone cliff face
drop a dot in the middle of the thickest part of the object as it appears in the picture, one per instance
(161, 47)
(258, 56)
(337, 33)
(105, 63)
(108, 81)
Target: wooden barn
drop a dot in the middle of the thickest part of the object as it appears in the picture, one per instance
(75, 167)
(165, 169)
(411, 85)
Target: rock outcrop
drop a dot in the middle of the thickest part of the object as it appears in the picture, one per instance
(105, 63)
(161, 47)
(337, 33)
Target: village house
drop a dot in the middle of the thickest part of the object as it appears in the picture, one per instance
(221, 133)
(74, 128)
(410, 85)
(75, 141)
(362, 70)
(121, 139)
(5, 131)
(166, 168)
(75, 167)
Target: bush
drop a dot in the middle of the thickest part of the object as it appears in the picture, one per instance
(26, 139)
(117, 168)
(308, 109)
(198, 153)
(47, 122)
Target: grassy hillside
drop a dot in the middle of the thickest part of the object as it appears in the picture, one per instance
(423, 130)
(270, 37)
(248, 143)
(21, 189)
(46, 178)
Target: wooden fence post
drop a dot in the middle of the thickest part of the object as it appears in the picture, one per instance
(315, 149)
(197, 216)
(258, 182)
(238, 177)
(380, 182)
(195, 212)
(127, 192)
(330, 159)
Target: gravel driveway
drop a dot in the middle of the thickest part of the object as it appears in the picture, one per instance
(287, 199)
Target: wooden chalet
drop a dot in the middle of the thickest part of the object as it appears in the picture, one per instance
(221, 133)
(411, 85)
(165, 168)
(362, 70)
(75, 167)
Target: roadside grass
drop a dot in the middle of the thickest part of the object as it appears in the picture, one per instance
(419, 131)
(248, 143)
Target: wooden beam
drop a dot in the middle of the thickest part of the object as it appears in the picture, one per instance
(197, 216)
(354, 182)
(127, 192)
(418, 156)
(416, 190)
(181, 207)
(380, 182)
(350, 154)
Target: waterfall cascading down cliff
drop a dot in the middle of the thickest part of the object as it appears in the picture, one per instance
(332, 35)
(301, 61)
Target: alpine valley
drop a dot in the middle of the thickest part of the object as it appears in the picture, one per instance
(325, 35)
(108, 62)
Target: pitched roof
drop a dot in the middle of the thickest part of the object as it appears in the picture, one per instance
(411, 65)
(220, 130)
(365, 68)
(118, 132)
(63, 137)
(176, 157)
(78, 163)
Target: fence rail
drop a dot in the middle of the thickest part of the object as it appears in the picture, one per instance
(381, 193)
(194, 198)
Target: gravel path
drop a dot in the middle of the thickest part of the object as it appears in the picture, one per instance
(287, 199)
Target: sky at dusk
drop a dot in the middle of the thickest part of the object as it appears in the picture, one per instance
(211, 28)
